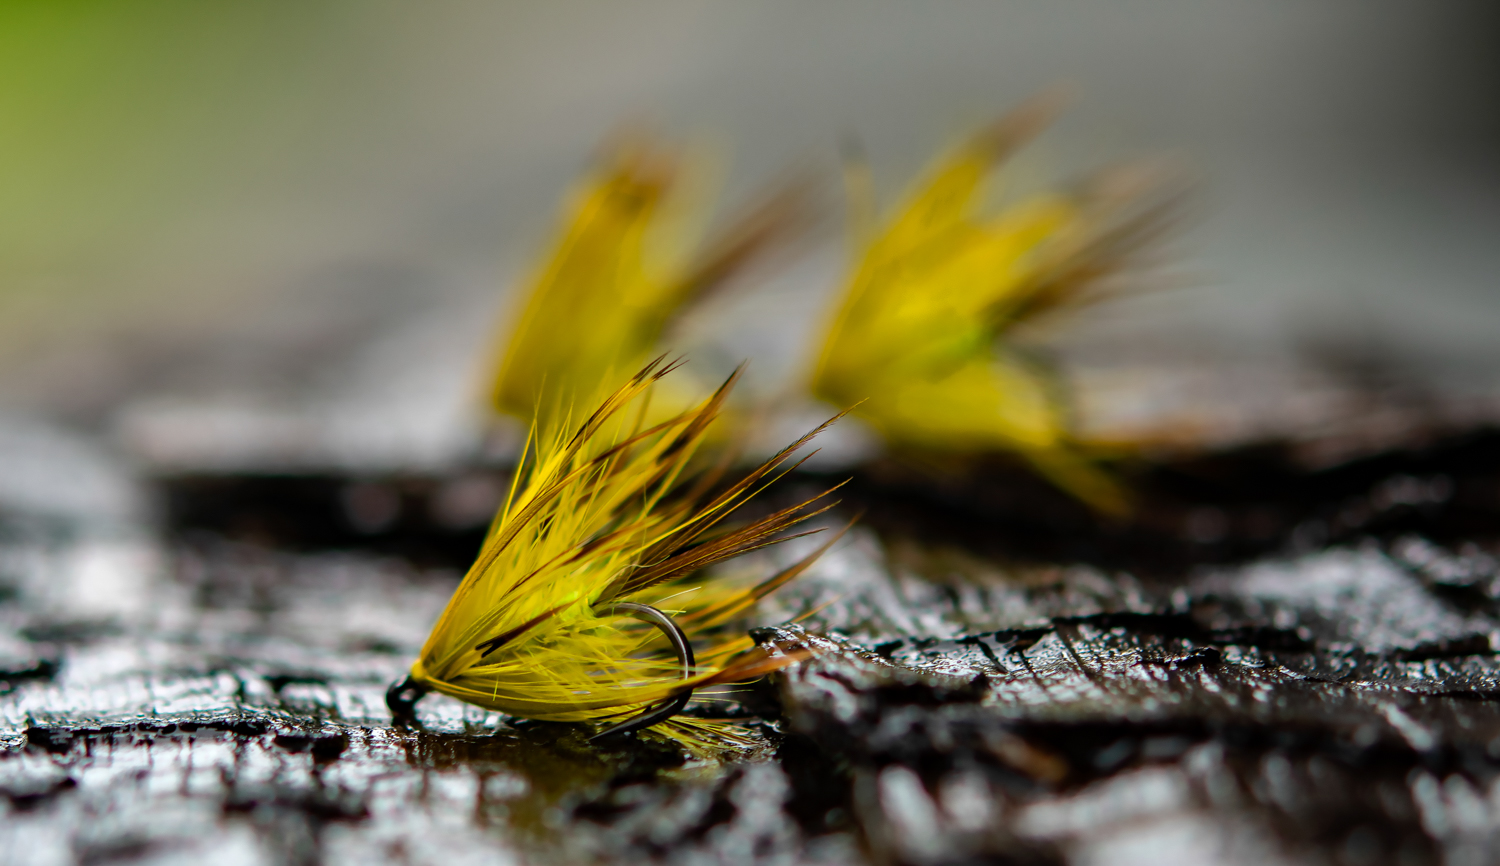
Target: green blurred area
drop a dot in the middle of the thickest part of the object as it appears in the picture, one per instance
(169, 168)
(121, 124)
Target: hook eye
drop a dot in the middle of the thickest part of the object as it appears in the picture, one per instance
(401, 698)
(672, 706)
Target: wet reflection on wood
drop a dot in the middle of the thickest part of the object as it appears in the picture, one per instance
(212, 688)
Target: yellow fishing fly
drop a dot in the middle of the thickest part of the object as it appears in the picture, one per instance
(589, 588)
(617, 277)
(920, 337)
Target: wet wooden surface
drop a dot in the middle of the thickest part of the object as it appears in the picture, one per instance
(1270, 664)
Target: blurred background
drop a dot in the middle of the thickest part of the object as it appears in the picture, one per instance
(228, 229)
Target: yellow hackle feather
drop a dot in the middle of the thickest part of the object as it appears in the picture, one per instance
(605, 512)
(619, 274)
(920, 340)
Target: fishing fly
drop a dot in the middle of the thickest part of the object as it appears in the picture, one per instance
(589, 591)
(621, 272)
(923, 330)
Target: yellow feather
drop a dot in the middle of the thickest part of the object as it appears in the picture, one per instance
(595, 310)
(601, 514)
(618, 276)
(919, 339)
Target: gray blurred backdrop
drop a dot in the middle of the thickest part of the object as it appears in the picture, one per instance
(200, 200)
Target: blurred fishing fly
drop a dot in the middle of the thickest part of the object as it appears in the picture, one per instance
(620, 273)
(924, 326)
(590, 586)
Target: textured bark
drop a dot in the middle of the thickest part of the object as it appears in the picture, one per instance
(997, 678)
